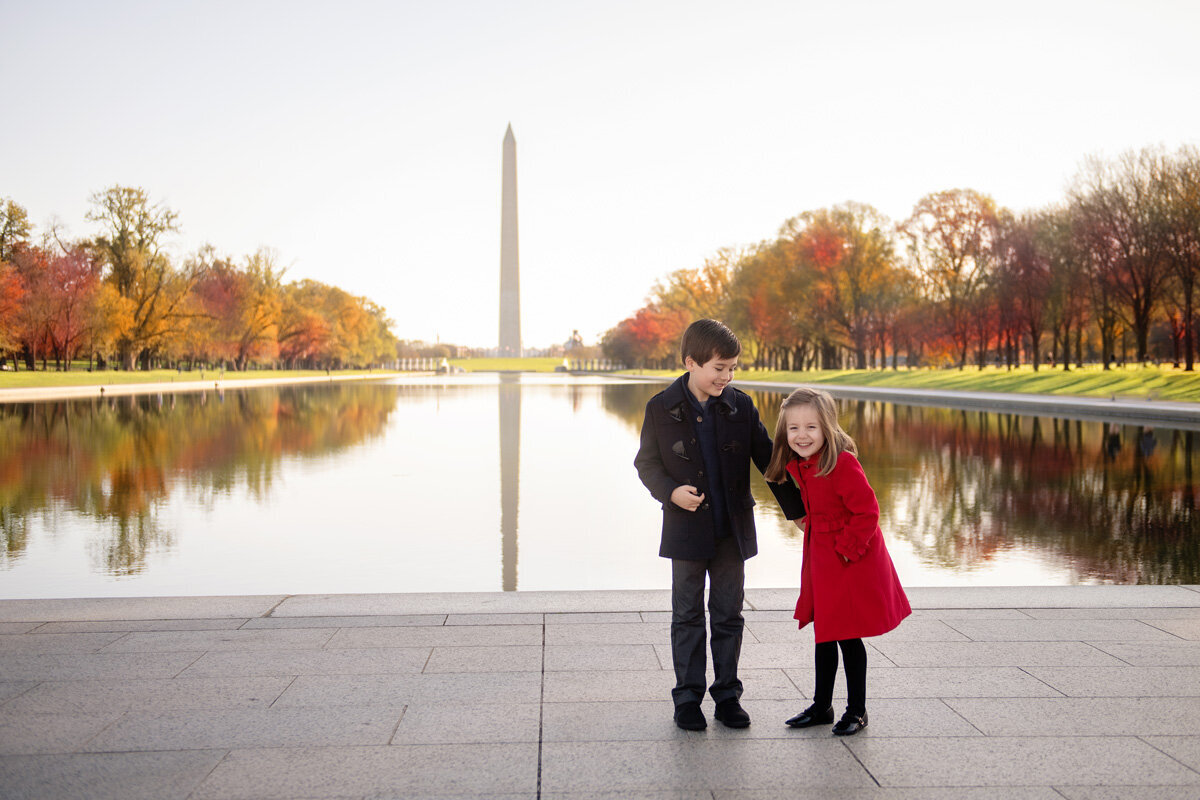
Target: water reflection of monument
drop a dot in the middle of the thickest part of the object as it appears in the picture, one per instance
(510, 475)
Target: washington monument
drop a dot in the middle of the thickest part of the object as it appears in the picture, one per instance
(510, 283)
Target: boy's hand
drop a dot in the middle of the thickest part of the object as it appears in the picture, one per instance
(687, 498)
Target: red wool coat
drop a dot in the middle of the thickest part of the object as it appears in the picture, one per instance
(858, 597)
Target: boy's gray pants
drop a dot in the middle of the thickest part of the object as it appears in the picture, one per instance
(726, 572)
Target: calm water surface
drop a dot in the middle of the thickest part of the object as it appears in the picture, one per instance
(497, 482)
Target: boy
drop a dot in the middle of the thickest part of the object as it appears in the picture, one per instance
(698, 440)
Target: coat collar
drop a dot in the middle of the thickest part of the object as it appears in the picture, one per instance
(676, 401)
(797, 465)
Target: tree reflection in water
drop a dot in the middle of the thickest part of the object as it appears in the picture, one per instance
(962, 492)
(118, 459)
(1110, 503)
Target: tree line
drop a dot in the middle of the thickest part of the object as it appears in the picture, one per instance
(118, 299)
(1108, 273)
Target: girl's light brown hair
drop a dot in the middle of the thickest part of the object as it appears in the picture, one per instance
(837, 440)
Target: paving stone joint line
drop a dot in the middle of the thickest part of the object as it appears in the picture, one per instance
(271, 611)
(1150, 744)
(541, 713)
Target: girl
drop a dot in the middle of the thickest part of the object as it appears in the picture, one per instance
(848, 586)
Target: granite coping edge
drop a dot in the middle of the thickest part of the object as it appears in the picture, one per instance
(782, 599)
(37, 394)
(1176, 413)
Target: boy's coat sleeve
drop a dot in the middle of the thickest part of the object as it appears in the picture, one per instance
(649, 463)
(786, 493)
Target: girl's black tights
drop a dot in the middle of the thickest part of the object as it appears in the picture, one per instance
(854, 655)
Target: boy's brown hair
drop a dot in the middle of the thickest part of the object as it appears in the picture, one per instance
(706, 339)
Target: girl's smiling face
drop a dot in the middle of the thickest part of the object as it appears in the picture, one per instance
(803, 430)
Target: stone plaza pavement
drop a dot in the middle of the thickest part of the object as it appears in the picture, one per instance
(1083, 692)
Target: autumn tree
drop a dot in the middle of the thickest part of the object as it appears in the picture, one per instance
(1177, 195)
(849, 250)
(259, 308)
(951, 235)
(322, 325)
(109, 315)
(701, 293)
(765, 309)
(15, 228)
(379, 345)
(1023, 276)
(35, 313)
(1060, 239)
(12, 292)
(239, 309)
(14, 233)
(618, 344)
(1099, 256)
(348, 324)
(908, 317)
(303, 332)
(211, 310)
(1117, 205)
(73, 280)
(134, 233)
(649, 338)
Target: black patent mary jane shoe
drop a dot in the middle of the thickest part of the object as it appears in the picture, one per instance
(811, 716)
(850, 724)
(689, 717)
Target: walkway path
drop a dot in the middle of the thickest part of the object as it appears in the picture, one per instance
(1152, 412)
(984, 694)
(29, 394)
(1176, 414)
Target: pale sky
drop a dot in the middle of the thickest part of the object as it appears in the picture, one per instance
(362, 140)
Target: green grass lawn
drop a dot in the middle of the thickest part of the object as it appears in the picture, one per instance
(1158, 383)
(81, 377)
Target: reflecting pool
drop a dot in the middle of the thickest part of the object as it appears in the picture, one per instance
(526, 482)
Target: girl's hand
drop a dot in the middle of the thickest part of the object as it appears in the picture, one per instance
(800, 522)
(687, 498)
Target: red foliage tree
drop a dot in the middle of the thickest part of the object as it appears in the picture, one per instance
(73, 279)
(648, 338)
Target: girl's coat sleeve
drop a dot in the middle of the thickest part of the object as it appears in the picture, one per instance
(862, 508)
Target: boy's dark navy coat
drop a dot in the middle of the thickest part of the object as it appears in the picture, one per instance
(669, 457)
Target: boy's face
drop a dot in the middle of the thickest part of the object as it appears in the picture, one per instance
(710, 378)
